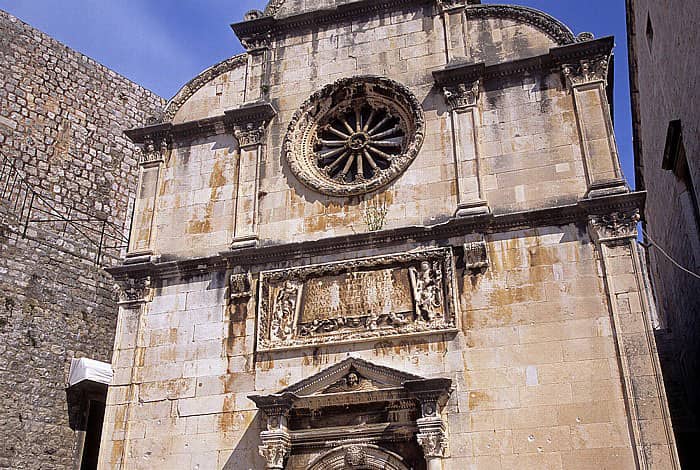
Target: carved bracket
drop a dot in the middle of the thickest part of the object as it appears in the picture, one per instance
(476, 259)
(250, 135)
(585, 71)
(432, 437)
(240, 286)
(275, 447)
(407, 293)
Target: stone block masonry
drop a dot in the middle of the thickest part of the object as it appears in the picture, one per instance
(62, 117)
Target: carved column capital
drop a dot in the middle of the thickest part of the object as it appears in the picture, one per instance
(275, 448)
(432, 437)
(257, 43)
(250, 135)
(585, 71)
(462, 96)
(615, 227)
(133, 291)
(154, 149)
(448, 5)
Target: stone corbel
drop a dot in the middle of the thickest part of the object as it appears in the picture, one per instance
(240, 287)
(133, 292)
(476, 260)
(461, 87)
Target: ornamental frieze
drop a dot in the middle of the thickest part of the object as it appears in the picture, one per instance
(407, 293)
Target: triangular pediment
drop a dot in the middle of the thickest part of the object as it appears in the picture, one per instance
(350, 375)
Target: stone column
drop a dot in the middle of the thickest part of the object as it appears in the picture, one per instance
(647, 418)
(276, 441)
(150, 163)
(250, 139)
(462, 99)
(587, 81)
(432, 394)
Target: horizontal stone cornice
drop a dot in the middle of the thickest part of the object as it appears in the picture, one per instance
(252, 113)
(578, 212)
(557, 56)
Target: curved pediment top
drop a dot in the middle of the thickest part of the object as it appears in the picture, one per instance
(206, 76)
(550, 26)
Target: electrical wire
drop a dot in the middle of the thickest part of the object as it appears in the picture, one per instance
(656, 245)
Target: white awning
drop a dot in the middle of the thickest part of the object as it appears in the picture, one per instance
(89, 369)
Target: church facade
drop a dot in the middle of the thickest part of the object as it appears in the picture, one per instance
(391, 235)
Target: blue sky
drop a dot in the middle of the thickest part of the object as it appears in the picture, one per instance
(161, 44)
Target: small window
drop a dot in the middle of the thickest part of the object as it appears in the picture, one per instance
(650, 32)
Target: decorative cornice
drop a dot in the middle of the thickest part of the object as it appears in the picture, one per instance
(244, 118)
(552, 27)
(199, 81)
(578, 212)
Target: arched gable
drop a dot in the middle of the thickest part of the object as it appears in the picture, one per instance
(501, 33)
(216, 89)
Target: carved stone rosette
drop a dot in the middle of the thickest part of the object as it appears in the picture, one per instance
(585, 71)
(615, 227)
(133, 291)
(354, 136)
(399, 294)
(462, 96)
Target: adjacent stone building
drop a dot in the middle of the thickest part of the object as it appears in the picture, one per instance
(66, 171)
(665, 84)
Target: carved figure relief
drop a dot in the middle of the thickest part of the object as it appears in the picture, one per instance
(406, 293)
(427, 290)
(352, 382)
(354, 136)
(285, 310)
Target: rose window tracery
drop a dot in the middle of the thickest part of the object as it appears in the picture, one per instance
(354, 136)
(358, 144)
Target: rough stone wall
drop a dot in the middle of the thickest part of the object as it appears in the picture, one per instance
(665, 88)
(61, 122)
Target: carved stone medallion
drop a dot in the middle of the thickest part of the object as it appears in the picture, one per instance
(407, 293)
(354, 136)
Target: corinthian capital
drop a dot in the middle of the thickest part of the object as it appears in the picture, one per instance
(275, 447)
(133, 291)
(462, 96)
(590, 70)
(616, 226)
(250, 134)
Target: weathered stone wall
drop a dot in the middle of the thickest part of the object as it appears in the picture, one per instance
(664, 86)
(551, 356)
(61, 122)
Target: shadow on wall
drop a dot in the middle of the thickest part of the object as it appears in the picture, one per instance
(247, 448)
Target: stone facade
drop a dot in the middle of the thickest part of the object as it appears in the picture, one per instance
(661, 41)
(287, 305)
(62, 117)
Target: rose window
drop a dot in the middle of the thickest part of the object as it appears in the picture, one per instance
(354, 136)
(359, 143)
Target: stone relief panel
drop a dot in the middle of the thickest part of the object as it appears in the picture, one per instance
(407, 293)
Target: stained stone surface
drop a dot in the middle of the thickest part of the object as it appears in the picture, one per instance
(532, 350)
(61, 122)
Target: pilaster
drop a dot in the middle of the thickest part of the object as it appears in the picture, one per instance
(251, 140)
(153, 154)
(455, 29)
(462, 88)
(585, 69)
(648, 418)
